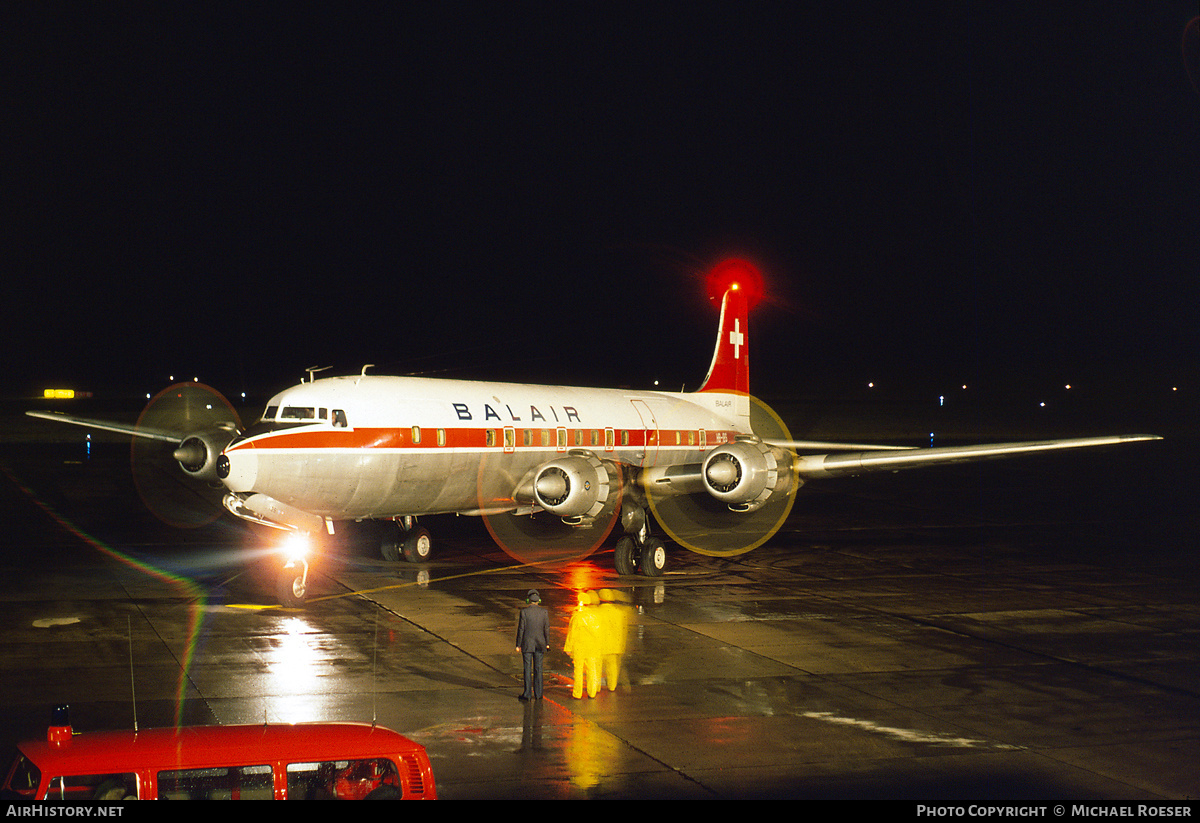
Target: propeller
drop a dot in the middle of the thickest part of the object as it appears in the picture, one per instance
(180, 434)
(543, 537)
(704, 524)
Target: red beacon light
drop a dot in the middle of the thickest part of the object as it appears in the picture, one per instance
(738, 275)
(59, 731)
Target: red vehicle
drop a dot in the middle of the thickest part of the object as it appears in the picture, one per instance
(306, 761)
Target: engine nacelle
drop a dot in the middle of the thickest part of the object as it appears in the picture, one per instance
(744, 474)
(575, 486)
(197, 453)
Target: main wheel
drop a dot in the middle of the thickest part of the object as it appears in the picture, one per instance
(625, 556)
(418, 545)
(654, 557)
(389, 541)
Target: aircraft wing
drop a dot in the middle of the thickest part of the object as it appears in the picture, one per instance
(820, 445)
(814, 466)
(109, 426)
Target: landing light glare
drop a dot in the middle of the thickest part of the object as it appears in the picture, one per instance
(296, 547)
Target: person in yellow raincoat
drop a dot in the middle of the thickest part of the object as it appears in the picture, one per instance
(614, 632)
(584, 644)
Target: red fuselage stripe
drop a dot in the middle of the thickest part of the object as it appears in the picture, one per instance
(460, 438)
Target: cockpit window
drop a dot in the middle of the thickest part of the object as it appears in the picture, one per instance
(290, 417)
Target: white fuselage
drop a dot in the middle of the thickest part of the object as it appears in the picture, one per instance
(381, 447)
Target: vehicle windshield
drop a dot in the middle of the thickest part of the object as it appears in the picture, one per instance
(23, 777)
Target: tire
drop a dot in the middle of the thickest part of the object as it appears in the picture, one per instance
(654, 557)
(384, 793)
(389, 542)
(625, 556)
(418, 546)
(292, 589)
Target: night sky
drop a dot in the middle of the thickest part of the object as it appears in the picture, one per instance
(533, 192)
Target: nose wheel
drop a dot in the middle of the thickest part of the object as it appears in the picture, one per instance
(293, 583)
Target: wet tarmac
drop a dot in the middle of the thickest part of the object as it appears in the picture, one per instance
(1019, 630)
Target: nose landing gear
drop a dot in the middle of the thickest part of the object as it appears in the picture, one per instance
(293, 583)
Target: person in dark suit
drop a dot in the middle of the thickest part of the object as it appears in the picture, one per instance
(533, 639)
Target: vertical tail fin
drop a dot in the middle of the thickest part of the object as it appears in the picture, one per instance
(730, 370)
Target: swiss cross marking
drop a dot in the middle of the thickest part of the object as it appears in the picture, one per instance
(736, 339)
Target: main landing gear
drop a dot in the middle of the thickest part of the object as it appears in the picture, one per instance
(650, 558)
(638, 550)
(404, 538)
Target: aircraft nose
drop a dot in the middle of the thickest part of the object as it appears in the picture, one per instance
(238, 469)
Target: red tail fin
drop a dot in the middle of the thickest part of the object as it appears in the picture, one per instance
(730, 369)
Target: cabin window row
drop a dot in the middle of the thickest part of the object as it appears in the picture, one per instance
(564, 438)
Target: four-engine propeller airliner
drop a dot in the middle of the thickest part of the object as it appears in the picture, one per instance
(551, 469)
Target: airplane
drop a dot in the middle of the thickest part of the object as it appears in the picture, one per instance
(552, 470)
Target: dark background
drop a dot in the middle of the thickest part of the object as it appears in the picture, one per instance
(964, 194)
